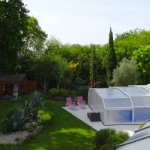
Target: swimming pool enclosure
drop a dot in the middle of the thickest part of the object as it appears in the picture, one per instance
(121, 105)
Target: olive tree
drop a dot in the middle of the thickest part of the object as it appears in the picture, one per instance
(126, 73)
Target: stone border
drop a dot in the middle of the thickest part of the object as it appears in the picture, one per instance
(19, 137)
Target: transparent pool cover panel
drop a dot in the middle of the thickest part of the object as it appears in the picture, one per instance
(119, 116)
(141, 114)
(117, 102)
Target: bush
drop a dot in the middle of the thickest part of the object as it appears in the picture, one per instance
(126, 73)
(83, 90)
(30, 126)
(123, 135)
(44, 117)
(14, 121)
(107, 139)
(61, 93)
(25, 112)
(54, 92)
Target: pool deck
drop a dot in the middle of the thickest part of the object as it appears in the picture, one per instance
(82, 115)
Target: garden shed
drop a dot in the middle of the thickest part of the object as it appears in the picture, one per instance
(121, 105)
(13, 85)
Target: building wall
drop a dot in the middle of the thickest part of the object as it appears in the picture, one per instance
(24, 86)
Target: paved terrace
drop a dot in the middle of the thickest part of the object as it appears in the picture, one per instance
(82, 115)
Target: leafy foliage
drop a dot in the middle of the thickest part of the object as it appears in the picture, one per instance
(107, 139)
(142, 56)
(13, 29)
(44, 117)
(93, 67)
(26, 111)
(61, 93)
(33, 48)
(61, 67)
(24, 49)
(126, 73)
(65, 132)
(50, 68)
(53, 45)
(112, 60)
(83, 90)
(35, 37)
(14, 121)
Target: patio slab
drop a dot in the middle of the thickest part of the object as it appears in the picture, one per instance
(98, 125)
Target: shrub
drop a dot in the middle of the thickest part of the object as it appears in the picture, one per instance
(66, 93)
(25, 112)
(61, 93)
(126, 73)
(44, 117)
(14, 121)
(83, 90)
(107, 139)
(54, 92)
(123, 135)
(31, 126)
(31, 104)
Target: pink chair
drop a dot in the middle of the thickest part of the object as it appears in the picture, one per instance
(70, 103)
(80, 101)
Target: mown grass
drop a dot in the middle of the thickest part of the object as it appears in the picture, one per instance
(64, 132)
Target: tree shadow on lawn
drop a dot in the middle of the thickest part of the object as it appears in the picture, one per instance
(74, 138)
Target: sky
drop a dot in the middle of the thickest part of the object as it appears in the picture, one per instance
(88, 21)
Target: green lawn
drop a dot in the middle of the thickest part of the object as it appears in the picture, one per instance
(65, 132)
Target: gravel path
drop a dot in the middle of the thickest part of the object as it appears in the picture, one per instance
(18, 137)
(13, 138)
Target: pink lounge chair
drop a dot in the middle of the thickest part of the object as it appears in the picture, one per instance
(70, 103)
(80, 101)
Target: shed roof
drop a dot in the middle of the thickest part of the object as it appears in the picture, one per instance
(11, 79)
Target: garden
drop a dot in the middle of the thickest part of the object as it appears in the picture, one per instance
(63, 131)
(61, 70)
(60, 129)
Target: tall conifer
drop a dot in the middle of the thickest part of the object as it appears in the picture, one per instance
(93, 66)
(112, 60)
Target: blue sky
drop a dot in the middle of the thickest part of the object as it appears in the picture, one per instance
(88, 21)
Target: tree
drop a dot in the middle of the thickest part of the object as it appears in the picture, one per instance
(142, 56)
(35, 39)
(53, 45)
(50, 68)
(33, 48)
(112, 60)
(93, 67)
(135, 44)
(13, 29)
(42, 68)
(61, 67)
(128, 42)
(80, 56)
(126, 73)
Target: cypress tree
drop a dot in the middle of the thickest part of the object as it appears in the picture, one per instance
(112, 60)
(93, 66)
